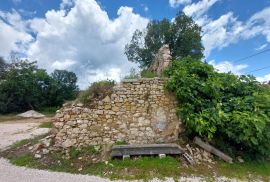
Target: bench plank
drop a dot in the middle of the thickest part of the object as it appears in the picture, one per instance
(146, 149)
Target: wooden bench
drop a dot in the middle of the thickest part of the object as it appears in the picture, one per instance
(146, 149)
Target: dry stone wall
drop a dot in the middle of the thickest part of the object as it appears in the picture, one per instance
(138, 111)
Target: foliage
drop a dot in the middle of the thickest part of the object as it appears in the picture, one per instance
(213, 105)
(97, 91)
(25, 160)
(133, 74)
(65, 86)
(2, 68)
(182, 35)
(48, 111)
(148, 74)
(46, 125)
(24, 86)
(121, 142)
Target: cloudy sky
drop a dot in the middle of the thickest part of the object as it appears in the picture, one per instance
(88, 36)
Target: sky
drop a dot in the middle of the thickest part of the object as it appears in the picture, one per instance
(88, 37)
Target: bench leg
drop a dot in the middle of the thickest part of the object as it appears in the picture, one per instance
(162, 155)
(126, 157)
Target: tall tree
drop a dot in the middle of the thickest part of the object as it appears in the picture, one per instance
(182, 35)
(3, 66)
(65, 86)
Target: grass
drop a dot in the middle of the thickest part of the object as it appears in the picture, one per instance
(25, 160)
(20, 143)
(144, 168)
(46, 125)
(121, 142)
(240, 170)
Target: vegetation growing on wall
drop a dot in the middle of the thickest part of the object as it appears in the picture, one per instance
(234, 109)
(96, 91)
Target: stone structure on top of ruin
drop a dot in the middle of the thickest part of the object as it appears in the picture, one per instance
(138, 111)
(162, 60)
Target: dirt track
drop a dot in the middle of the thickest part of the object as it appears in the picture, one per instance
(12, 131)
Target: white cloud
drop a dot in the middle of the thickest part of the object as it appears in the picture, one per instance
(258, 24)
(199, 8)
(226, 66)
(85, 40)
(176, 3)
(227, 29)
(261, 47)
(265, 78)
(221, 32)
(13, 34)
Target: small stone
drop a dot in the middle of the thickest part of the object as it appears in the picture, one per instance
(126, 157)
(37, 156)
(45, 151)
(80, 158)
(240, 159)
(107, 99)
(80, 169)
(162, 155)
(79, 104)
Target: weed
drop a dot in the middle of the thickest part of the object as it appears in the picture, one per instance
(121, 142)
(25, 160)
(46, 125)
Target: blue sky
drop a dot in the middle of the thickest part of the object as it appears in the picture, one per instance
(88, 36)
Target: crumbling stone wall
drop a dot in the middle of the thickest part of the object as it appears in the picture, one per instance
(138, 111)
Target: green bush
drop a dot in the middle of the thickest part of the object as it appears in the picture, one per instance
(148, 74)
(234, 109)
(97, 91)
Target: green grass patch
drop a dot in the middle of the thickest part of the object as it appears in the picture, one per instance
(20, 143)
(25, 160)
(46, 125)
(143, 168)
(121, 142)
(242, 170)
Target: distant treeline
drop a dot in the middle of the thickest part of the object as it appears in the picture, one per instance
(24, 86)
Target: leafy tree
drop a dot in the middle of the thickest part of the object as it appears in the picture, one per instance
(22, 87)
(3, 66)
(233, 109)
(25, 87)
(64, 86)
(182, 35)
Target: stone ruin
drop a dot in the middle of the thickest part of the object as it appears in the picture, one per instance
(162, 60)
(138, 112)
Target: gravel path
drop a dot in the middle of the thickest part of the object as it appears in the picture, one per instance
(13, 132)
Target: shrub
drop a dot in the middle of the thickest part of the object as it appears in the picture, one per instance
(97, 91)
(133, 74)
(214, 105)
(148, 74)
